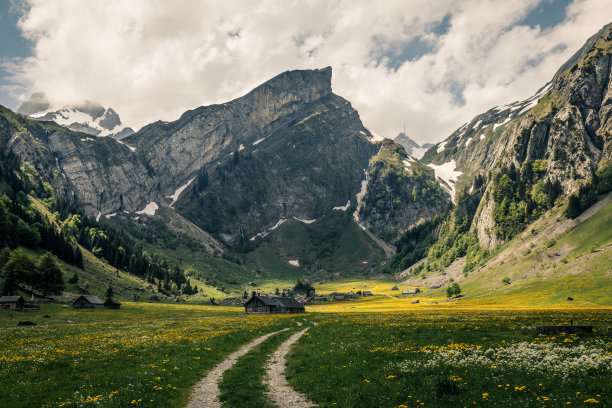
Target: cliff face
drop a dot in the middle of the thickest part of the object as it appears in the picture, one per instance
(289, 149)
(566, 128)
(100, 175)
(400, 192)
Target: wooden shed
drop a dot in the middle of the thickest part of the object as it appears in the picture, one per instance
(267, 305)
(88, 302)
(11, 302)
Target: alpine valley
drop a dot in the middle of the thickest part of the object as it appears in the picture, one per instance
(286, 182)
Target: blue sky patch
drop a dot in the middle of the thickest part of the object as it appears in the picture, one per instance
(547, 14)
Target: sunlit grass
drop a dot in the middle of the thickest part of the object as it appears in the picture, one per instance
(141, 355)
(452, 357)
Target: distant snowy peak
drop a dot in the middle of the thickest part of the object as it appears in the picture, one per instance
(412, 148)
(90, 118)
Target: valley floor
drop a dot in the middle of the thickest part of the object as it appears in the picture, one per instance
(377, 351)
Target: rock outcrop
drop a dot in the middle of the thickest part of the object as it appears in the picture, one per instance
(566, 128)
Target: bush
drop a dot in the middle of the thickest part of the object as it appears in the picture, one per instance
(453, 290)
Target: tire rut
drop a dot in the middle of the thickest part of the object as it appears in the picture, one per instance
(206, 392)
(279, 390)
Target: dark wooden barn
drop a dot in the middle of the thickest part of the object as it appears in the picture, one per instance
(88, 302)
(265, 305)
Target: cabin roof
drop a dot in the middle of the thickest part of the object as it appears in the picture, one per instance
(6, 299)
(263, 299)
(94, 300)
(288, 302)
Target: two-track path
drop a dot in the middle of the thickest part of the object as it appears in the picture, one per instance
(279, 390)
(206, 391)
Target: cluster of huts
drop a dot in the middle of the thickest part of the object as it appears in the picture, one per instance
(17, 303)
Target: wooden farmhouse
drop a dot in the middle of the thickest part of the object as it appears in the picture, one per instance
(268, 305)
(88, 302)
(411, 291)
(11, 302)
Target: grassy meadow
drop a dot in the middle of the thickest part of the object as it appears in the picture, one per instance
(142, 355)
(377, 351)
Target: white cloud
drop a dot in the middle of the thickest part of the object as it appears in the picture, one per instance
(154, 59)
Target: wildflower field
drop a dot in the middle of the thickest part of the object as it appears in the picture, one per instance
(151, 355)
(445, 357)
(142, 355)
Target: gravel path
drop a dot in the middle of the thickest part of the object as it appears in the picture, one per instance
(206, 391)
(280, 392)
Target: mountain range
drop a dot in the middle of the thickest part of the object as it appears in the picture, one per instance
(289, 171)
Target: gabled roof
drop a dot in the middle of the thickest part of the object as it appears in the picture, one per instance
(10, 298)
(288, 302)
(94, 300)
(263, 299)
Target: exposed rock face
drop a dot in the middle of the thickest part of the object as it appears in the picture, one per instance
(566, 126)
(400, 192)
(88, 117)
(289, 149)
(99, 175)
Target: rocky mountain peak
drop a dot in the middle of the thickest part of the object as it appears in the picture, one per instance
(86, 117)
(304, 85)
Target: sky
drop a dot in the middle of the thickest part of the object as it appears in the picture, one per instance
(431, 65)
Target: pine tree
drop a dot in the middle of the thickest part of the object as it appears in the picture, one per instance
(573, 207)
(51, 278)
(109, 295)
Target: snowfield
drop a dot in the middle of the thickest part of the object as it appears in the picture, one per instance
(447, 173)
(149, 209)
(178, 192)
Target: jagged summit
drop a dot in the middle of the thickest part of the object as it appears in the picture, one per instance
(306, 85)
(87, 117)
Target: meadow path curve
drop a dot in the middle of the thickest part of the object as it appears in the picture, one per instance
(279, 390)
(206, 392)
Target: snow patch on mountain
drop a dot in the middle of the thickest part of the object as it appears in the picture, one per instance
(441, 147)
(178, 192)
(304, 221)
(376, 137)
(359, 196)
(149, 209)
(344, 207)
(267, 232)
(133, 149)
(90, 118)
(447, 176)
(508, 119)
(294, 262)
